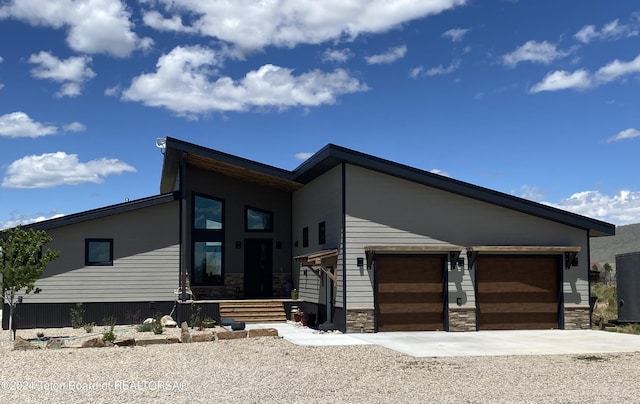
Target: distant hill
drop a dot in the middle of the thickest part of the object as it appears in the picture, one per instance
(626, 240)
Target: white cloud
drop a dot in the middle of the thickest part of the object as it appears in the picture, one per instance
(530, 192)
(303, 155)
(52, 169)
(336, 55)
(581, 79)
(387, 57)
(620, 208)
(92, 26)
(18, 219)
(442, 70)
(187, 83)
(611, 30)
(535, 52)
(624, 134)
(19, 124)
(617, 69)
(1, 59)
(72, 72)
(563, 80)
(455, 34)
(416, 72)
(440, 172)
(251, 26)
(74, 127)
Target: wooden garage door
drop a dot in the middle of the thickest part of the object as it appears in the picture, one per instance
(517, 293)
(409, 293)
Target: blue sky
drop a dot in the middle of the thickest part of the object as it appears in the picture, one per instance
(537, 99)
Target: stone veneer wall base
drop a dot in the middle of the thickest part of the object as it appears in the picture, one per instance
(577, 318)
(462, 319)
(360, 320)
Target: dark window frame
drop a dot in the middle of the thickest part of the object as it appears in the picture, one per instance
(322, 233)
(305, 237)
(203, 235)
(88, 241)
(246, 220)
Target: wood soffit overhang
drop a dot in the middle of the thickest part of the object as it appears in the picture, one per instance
(242, 173)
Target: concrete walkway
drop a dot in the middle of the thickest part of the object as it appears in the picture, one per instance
(481, 343)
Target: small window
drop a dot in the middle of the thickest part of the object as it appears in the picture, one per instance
(322, 233)
(305, 237)
(98, 252)
(258, 220)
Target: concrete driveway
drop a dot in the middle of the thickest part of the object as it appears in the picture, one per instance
(480, 343)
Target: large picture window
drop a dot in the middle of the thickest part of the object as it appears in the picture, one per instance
(207, 241)
(258, 220)
(98, 251)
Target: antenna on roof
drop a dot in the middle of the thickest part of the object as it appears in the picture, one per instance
(161, 143)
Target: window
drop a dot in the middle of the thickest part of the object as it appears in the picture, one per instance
(207, 241)
(258, 220)
(305, 237)
(322, 233)
(207, 213)
(98, 251)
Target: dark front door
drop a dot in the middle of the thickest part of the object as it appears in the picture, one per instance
(258, 268)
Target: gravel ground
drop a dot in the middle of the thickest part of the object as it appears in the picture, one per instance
(272, 370)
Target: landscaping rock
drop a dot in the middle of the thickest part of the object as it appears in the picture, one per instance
(54, 343)
(145, 342)
(168, 321)
(202, 337)
(93, 343)
(173, 340)
(263, 332)
(148, 321)
(21, 344)
(185, 336)
(125, 342)
(232, 334)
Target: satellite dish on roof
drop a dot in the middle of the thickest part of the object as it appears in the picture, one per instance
(161, 142)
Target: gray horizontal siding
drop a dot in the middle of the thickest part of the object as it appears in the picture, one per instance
(149, 276)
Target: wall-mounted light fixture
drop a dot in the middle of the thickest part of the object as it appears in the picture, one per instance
(459, 301)
(461, 263)
(238, 244)
(360, 262)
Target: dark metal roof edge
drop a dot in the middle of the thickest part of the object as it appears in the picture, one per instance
(103, 212)
(242, 162)
(335, 154)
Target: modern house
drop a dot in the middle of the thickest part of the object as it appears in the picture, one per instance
(369, 244)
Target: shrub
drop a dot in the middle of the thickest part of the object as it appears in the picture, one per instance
(196, 316)
(77, 316)
(88, 327)
(108, 335)
(145, 327)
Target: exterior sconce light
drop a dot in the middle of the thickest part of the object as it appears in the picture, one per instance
(238, 244)
(459, 301)
(360, 262)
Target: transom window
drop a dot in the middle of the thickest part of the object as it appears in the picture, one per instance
(98, 251)
(258, 220)
(207, 241)
(207, 213)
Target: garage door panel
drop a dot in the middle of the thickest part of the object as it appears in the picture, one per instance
(420, 321)
(517, 321)
(409, 293)
(416, 308)
(531, 297)
(549, 308)
(519, 287)
(517, 292)
(410, 287)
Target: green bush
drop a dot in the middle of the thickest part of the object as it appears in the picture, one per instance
(108, 335)
(77, 316)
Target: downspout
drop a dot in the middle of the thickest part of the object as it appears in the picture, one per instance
(588, 280)
(344, 243)
(183, 224)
